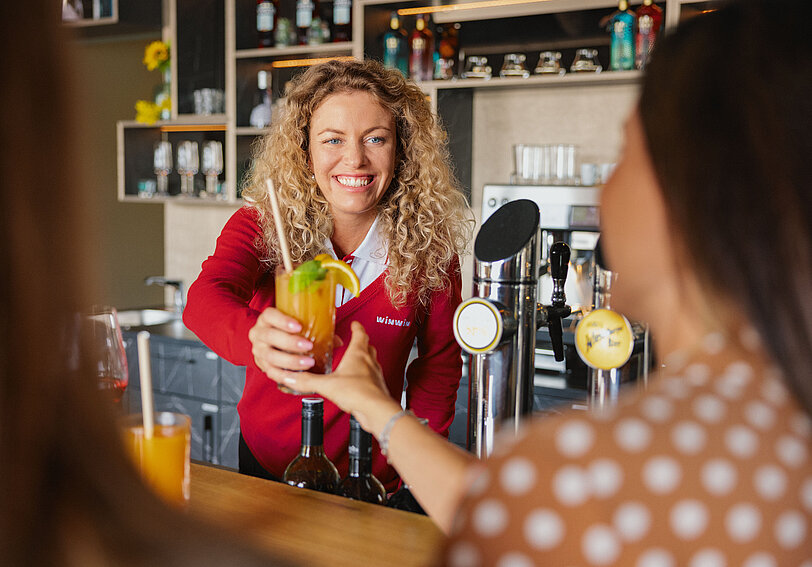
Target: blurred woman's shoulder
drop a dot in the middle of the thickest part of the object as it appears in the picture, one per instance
(715, 456)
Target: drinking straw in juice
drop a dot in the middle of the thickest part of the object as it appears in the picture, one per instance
(163, 459)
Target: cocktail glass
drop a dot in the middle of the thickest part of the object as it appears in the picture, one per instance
(312, 303)
(163, 459)
(102, 334)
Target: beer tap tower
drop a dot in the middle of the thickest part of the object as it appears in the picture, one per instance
(498, 325)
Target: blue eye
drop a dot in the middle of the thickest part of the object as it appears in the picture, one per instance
(332, 141)
(377, 139)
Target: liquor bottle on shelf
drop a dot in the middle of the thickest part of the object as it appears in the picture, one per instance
(311, 468)
(421, 51)
(325, 31)
(436, 64)
(649, 21)
(621, 31)
(360, 483)
(395, 46)
(306, 11)
(267, 13)
(319, 32)
(261, 111)
(342, 20)
(448, 52)
(284, 35)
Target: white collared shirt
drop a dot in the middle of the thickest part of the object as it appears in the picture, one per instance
(368, 261)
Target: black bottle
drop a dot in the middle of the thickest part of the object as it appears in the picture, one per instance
(360, 483)
(403, 499)
(311, 468)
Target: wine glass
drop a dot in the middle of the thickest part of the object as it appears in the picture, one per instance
(105, 345)
(183, 158)
(162, 165)
(212, 166)
(188, 166)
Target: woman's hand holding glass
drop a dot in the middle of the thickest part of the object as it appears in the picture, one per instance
(276, 345)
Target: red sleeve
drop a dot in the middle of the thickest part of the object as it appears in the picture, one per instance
(217, 307)
(434, 376)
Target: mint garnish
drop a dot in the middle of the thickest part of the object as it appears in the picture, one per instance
(307, 274)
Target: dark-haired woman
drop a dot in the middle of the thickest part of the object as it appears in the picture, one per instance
(708, 220)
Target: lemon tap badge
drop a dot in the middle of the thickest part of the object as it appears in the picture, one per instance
(604, 339)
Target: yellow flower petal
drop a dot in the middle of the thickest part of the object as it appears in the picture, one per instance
(147, 112)
(156, 54)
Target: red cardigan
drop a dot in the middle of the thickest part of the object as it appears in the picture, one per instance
(234, 286)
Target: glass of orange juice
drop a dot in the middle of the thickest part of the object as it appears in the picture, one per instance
(163, 459)
(309, 298)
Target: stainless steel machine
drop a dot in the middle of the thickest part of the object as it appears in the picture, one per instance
(498, 325)
(520, 360)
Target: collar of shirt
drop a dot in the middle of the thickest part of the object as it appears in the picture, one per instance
(368, 261)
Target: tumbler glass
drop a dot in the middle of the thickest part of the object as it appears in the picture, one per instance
(586, 61)
(549, 64)
(476, 67)
(514, 66)
(163, 459)
(312, 303)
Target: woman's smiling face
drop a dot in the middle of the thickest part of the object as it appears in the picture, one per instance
(352, 153)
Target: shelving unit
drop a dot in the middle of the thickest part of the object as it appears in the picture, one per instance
(326, 49)
(135, 143)
(224, 30)
(117, 17)
(569, 80)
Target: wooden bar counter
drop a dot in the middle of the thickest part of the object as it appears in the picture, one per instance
(312, 528)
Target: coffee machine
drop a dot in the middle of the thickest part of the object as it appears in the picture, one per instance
(522, 356)
(498, 326)
(569, 214)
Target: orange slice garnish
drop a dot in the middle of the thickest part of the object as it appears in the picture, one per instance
(344, 274)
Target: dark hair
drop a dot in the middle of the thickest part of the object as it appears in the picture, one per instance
(726, 111)
(68, 493)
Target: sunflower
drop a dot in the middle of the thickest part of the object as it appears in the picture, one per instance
(156, 55)
(147, 112)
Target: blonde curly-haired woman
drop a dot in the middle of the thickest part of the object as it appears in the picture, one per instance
(362, 173)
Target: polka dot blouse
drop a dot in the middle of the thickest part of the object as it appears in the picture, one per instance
(710, 467)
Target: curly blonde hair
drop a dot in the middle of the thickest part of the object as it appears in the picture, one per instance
(423, 213)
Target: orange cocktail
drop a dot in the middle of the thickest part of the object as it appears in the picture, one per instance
(163, 460)
(310, 299)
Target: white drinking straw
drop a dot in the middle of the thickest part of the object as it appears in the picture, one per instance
(277, 218)
(144, 365)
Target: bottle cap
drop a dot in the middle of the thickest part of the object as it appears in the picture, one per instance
(360, 441)
(312, 407)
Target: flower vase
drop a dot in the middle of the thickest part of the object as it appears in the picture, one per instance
(163, 94)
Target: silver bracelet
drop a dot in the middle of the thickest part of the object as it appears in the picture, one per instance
(387, 430)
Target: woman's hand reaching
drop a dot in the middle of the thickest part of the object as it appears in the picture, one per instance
(356, 386)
